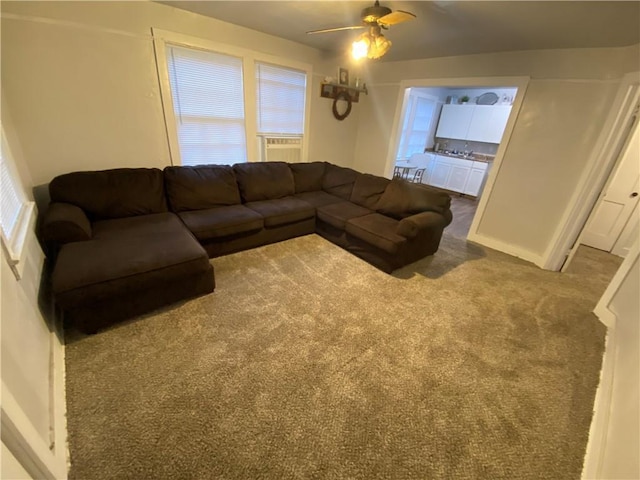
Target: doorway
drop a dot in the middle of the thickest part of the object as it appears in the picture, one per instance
(448, 136)
(613, 224)
(617, 137)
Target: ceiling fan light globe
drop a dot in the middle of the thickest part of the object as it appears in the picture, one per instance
(360, 48)
(379, 47)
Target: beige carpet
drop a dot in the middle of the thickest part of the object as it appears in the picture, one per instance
(309, 363)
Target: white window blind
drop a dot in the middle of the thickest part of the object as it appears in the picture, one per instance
(12, 198)
(280, 100)
(208, 100)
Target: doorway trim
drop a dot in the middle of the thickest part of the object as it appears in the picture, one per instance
(520, 82)
(565, 241)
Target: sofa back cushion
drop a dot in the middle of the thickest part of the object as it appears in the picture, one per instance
(201, 187)
(264, 180)
(307, 176)
(117, 193)
(339, 181)
(402, 199)
(368, 189)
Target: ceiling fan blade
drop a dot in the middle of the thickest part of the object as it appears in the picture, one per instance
(337, 29)
(396, 17)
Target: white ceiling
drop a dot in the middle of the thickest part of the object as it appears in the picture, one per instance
(442, 28)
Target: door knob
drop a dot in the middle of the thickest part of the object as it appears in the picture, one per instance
(634, 194)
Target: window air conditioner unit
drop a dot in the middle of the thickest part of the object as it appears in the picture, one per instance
(281, 149)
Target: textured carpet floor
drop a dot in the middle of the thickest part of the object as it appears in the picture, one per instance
(309, 363)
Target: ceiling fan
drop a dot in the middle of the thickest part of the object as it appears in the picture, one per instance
(372, 44)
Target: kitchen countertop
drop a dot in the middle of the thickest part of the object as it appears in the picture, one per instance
(476, 157)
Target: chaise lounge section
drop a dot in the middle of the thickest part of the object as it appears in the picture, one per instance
(127, 241)
(119, 252)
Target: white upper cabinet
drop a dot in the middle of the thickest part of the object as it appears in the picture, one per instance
(488, 123)
(479, 123)
(455, 121)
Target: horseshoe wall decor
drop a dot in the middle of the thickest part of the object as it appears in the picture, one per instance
(343, 95)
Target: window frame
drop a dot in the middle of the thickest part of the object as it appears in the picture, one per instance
(14, 246)
(161, 38)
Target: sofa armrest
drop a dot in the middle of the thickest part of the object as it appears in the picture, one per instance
(65, 223)
(402, 199)
(410, 227)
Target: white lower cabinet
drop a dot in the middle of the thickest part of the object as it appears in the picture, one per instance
(428, 172)
(457, 174)
(440, 174)
(458, 178)
(475, 180)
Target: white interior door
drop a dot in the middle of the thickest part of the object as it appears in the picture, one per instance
(619, 198)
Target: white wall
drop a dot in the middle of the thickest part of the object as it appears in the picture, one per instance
(621, 458)
(375, 129)
(567, 100)
(614, 437)
(81, 80)
(548, 150)
(31, 355)
(25, 341)
(25, 337)
(331, 140)
(10, 467)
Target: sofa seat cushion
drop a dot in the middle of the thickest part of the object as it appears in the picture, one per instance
(337, 214)
(377, 230)
(125, 255)
(282, 211)
(318, 199)
(221, 222)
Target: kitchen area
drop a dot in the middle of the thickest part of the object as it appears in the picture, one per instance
(450, 136)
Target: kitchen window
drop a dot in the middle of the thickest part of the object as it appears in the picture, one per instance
(222, 103)
(417, 124)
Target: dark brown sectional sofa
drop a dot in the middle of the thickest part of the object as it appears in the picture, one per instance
(127, 241)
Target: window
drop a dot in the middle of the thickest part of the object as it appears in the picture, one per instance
(416, 126)
(226, 104)
(208, 103)
(16, 212)
(280, 100)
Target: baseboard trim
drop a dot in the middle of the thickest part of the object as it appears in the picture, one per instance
(60, 445)
(507, 248)
(21, 437)
(601, 407)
